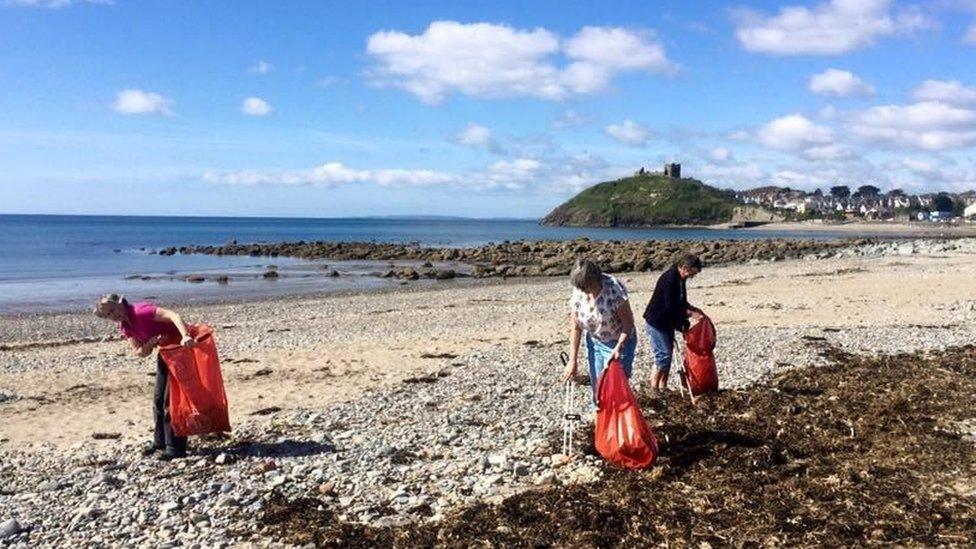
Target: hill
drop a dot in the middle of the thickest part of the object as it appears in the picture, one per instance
(646, 200)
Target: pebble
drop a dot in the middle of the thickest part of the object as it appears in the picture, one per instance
(10, 528)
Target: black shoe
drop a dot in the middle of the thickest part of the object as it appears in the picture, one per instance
(170, 454)
(150, 450)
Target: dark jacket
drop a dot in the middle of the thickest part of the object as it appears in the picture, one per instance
(668, 308)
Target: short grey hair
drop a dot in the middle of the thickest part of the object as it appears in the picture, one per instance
(113, 299)
(585, 274)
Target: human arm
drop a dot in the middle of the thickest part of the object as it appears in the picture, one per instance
(143, 350)
(626, 316)
(575, 334)
(166, 315)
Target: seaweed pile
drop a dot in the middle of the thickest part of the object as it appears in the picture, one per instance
(865, 451)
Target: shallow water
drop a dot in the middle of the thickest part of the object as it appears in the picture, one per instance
(54, 263)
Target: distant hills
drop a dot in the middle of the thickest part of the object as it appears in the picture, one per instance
(652, 199)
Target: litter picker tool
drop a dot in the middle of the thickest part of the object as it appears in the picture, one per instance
(569, 417)
(683, 380)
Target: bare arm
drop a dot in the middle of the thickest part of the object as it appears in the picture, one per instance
(166, 315)
(143, 350)
(626, 316)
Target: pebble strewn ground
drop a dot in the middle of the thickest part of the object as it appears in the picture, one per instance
(475, 427)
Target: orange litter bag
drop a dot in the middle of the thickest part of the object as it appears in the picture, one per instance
(197, 401)
(700, 358)
(622, 435)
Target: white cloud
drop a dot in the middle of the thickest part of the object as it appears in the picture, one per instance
(829, 152)
(51, 4)
(489, 60)
(945, 91)
(132, 101)
(330, 175)
(970, 36)
(830, 28)
(261, 67)
(513, 175)
(925, 125)
(720, 154)
(839, 83)
(828, 112)
(255, 106)
(629, 133)
(745, 174)
(475, 136)
(571, 119)
(793, 132)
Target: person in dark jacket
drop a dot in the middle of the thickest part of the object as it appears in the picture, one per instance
(667, 312)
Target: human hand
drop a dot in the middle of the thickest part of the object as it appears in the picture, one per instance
(695, 315)
(615, 354)
(571, 367)
(188, 342)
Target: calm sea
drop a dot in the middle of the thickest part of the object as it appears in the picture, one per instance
(52, 263)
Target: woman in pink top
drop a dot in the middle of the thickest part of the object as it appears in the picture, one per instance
(147, 326)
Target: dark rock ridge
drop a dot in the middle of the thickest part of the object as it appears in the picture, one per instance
(542, 258)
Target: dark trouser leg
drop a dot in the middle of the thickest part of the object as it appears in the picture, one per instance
(164, 426)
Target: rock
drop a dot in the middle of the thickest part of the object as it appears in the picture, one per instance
(10, 529)
(497, 460)
(196, 279)
(327, 488)
(558, 460)
(333, 273)
(105, 479)
(520, 469)
(228, 502)
(169, 507)
(264, 467)
(270, 274)
(445, 274)
(222, 459)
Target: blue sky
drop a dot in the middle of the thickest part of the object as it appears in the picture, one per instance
(499, 109)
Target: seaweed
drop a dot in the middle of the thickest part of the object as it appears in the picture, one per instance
(864, 451)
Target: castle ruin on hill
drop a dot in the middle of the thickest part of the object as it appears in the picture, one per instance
(671, 169)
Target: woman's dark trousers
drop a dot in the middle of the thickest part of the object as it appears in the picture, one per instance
(164, 437)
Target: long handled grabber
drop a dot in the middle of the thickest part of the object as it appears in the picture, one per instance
(569, 417)
(683, 380)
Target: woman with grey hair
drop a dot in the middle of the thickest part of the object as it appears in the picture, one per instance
(146, 327)
(600, 307)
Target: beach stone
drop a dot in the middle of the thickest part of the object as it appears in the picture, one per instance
(558, 460)
(169, 507)
(10, 528)
(228, 502)
(222, 459)
(327, 488)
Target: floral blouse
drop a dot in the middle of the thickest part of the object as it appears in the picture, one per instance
(599, 317)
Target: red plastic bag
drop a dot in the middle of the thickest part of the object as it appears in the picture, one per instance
(197, 401)
(622, 436)
(699, 357)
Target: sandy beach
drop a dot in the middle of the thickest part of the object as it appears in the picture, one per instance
(461, 379)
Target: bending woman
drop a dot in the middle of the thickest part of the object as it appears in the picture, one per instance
(146, 326)
(600, 307)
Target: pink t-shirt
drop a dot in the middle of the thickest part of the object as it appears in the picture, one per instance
(142, 324)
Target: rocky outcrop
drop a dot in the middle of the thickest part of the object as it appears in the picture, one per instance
(543, 258)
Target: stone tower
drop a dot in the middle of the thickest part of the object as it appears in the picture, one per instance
(673, 170)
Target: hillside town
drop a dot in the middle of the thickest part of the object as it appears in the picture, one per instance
(864, 202)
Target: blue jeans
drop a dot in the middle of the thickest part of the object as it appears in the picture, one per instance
(598, 354)
(662, 345)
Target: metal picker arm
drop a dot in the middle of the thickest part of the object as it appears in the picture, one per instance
(684, 382)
